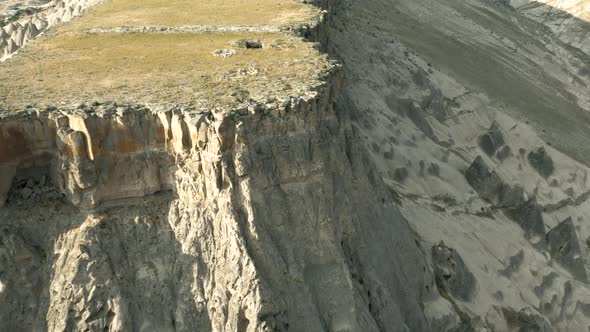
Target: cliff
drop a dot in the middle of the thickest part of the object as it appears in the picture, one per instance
(233, 221)
(173, 174)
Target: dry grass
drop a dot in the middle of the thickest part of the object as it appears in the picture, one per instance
(165, 68)
(156, 67)
(116, 13)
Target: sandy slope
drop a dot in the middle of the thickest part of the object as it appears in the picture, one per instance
(425, 79)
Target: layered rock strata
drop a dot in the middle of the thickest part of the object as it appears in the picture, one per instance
(16, 34)
(261, 219)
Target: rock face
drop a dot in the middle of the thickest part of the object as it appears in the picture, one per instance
(86, 156)
(230, 221)
(20, 264)
(490, 186)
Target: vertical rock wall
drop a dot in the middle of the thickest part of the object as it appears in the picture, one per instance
(268, 219)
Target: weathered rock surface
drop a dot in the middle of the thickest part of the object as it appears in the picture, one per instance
(492, 140)
(20, 263)
(529, 215)
(481, 75)
(541, 162)
(564, 247)
(453, 277)
(527, 320)
(511, 199)
(314, 215)
(91, 157)
(485, 180)
(270, 221)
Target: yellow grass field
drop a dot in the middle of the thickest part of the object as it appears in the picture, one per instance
(154, 67)
(114, 13)
(71, 65)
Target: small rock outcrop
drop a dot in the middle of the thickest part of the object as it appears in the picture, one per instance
(511, 199)
(486, 182)
(451, 274)
(527, 320)
(541, 162)
(529, 215)
(504, 153)
(492, 140)
(564, 247)
(490, 186)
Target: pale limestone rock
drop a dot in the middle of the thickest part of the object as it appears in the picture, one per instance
(230, 224)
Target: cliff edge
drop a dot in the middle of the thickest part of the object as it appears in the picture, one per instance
(260, 165)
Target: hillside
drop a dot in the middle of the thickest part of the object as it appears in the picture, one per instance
(266, 165)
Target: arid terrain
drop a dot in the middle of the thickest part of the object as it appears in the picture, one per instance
(276, 165)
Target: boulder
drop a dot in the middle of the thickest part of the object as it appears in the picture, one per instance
(492, 140)
(529, 215)
(434, 169)
(451, 274)
(564, 248)
(253, 44)
(486, 182)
